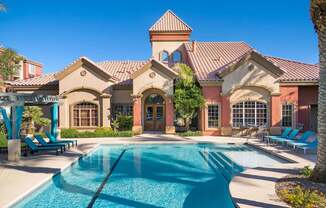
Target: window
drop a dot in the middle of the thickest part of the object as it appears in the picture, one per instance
(212, 114)
(249, 113)
(177, 57)
(85, 115)
(164, 57)
(287, 115)
(121, 109)
(32, 69)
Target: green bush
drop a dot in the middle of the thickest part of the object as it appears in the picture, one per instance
(99, 132)
(303, 198)
(190, 133)
(124, 122)
(3, 140)
(306, 171)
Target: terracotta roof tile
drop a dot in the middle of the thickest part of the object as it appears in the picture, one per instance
(170, 22)
(47, 79)
(296, 71)
(210, 57)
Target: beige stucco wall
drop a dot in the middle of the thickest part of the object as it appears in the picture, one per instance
(91, 80)
(169, 46)
(121, 96)
(159, 81)
(242, 76)
(250, 93)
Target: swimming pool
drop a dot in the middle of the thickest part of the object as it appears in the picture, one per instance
(150, 176)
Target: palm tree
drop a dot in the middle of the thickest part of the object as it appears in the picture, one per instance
(318, 15)
(2, 7)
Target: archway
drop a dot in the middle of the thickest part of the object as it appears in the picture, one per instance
(154, 112)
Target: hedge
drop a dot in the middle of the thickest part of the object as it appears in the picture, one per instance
(99, 132)
(190, 133)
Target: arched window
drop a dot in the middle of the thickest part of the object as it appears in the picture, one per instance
(249, 114)
(164, 57)
(85, 115)
(177, 57)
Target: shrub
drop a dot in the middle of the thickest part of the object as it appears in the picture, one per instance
(306, 171)
(190, 133)
(303, 198)
(99, 132)
(124, 122)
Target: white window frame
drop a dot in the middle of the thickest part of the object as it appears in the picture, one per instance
(219, 115)
(244, 113)
(292, 114)
(31, 69)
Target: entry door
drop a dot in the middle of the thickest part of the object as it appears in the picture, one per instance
(154, 117)
(314, 117)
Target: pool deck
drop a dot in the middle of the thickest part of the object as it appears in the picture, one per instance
(252, 188)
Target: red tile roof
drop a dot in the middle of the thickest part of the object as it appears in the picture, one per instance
(296, 71)
(210, 57)
(170, 22)
(46, 79)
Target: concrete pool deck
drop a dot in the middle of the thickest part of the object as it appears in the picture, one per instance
(251, 188)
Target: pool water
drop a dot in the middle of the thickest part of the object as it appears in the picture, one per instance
(150, 176)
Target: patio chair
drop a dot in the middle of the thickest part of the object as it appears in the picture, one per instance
(309, 146)
(53, 139)
(34, 148)
(290, 137)
(303, 140)
(40, 140)
(284, 134)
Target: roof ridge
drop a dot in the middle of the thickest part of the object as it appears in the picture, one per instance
(99, 62)
(290, 60)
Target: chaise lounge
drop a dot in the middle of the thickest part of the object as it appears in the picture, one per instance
(54, 140)
(35, 148)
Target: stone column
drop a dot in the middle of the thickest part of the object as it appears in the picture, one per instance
(275, 114)
(63, 112)
(105, 110)
(169, 116)
(14, 146)
(226, 129)
(137, 123)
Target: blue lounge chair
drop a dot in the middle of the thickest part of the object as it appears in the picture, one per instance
(309, 146)
(302, 140)
(40, 140)
(34, 148)
(53, 139)
(290, 137)
(284, 134)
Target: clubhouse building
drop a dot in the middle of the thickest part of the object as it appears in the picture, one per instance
(242, 88)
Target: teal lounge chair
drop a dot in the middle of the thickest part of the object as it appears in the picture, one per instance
(303, 140)
(40, 140)
(309, 146)
(34, 148)
(53, 139)
(290, 137)
(284, 134)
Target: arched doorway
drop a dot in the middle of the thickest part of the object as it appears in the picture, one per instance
(154, 113)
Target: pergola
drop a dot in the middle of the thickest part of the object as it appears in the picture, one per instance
(16, 102)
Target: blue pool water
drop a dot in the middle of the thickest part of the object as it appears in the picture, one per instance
(150, 176)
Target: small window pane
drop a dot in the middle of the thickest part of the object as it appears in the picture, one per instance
(177, 57)
(287, 115)
(213, 116)
(164, 56)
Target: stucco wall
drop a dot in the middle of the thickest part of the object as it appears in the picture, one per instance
(121, 96)
(159, 81)
(308, 95)
(250, 93)
(242, 76)
(169, 46)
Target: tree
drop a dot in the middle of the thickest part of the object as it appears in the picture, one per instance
(318, 15)
(2, 7)
(34, 115)
(9, 63)
(188, 97)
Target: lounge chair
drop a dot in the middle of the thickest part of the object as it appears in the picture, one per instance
(34, 148)
(309, 146)
(53, 139)
(284, 134)
(302, 139)
(40, 140)
(290, 137)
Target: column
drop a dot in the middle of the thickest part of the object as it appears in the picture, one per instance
(275, 114)
(14, 143)
(169, 116)
(54, 119)
(63, 112)
(226, 129)
(137, 123)
(106, 110)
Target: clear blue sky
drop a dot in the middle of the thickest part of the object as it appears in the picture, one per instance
(57, 32)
